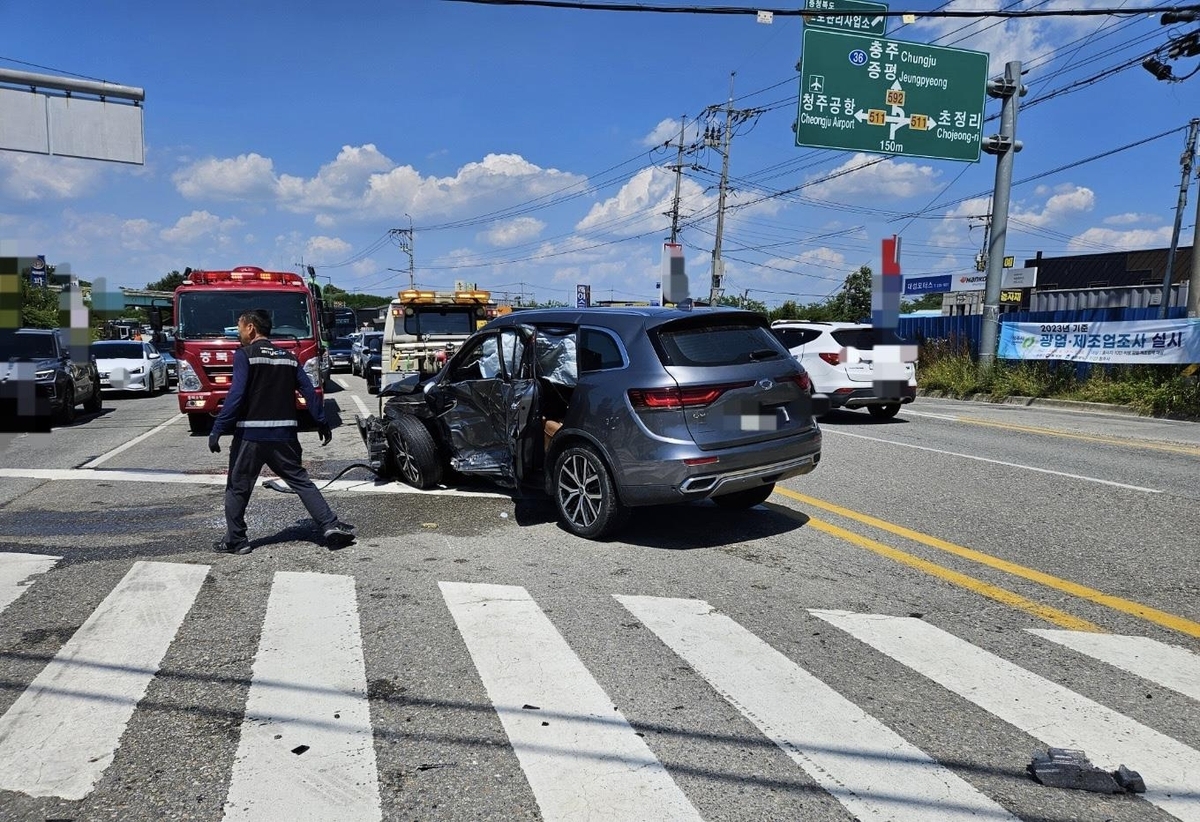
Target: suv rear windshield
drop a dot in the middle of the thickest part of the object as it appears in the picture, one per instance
(717, 343)
(865, 339)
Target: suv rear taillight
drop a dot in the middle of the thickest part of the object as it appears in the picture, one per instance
(804, 382)
(830, 357)
(696, 396)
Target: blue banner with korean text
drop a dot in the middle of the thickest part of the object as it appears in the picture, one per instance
(1154, 342)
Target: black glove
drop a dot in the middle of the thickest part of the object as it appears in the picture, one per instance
(214, 443)
(325, 433)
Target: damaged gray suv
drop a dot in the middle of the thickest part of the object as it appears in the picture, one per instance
(606, 409)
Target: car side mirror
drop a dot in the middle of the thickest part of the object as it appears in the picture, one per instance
(156, 356)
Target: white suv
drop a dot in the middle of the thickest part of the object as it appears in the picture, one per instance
(839, 358)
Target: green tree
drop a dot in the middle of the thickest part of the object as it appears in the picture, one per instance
(39, 306)
(924, 303)
(168, 283)
(853, 302)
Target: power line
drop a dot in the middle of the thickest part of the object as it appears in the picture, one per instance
(742, 10)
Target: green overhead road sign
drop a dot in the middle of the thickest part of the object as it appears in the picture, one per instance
(847, 15)
(863, 93)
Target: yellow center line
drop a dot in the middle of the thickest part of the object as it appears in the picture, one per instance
(1003, 595)
(1126, 606)
(1104, 439)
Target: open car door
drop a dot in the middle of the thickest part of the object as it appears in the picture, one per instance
(488, 402)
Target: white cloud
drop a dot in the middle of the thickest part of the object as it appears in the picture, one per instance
(639, 204)
(1066, 201)
(137, 234)
(512, 232)
(363, 184)
(1129, 218)
(197, 226)
(34, 177)
(667, 131)
(1089, 240)
(323, 249)
(1030, 40)
(337, 183)
(863, 174)
(245, 177)
(955, 228)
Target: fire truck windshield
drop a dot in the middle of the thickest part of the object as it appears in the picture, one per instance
(209, 314)
(437, 320)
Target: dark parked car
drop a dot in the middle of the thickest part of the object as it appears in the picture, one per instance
(41, 378)
(373, 362)
(172, 365)
(340, 351)
(606, 409)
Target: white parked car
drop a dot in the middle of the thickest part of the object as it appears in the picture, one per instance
(130, 365)
(840, 360)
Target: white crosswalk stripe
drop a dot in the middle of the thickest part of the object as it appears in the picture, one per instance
(1041, 708)
(865, 765)
(1168, 665)
(62, 732)
(306, 747)
(16, 571)
(580, 755)
(306, 750)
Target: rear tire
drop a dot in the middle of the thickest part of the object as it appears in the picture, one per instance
(412, 454)
(884, 412)
(66, 414)
(745, 499)
(95, 402)
(585, 494)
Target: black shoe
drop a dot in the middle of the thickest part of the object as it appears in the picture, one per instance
(338, 535)
(222, 547)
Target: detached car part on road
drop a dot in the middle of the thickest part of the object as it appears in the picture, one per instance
(606, 409)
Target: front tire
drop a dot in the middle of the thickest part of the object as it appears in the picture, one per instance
(200, 424)
(412, 453)
(884, 412)
(586, 495)
(745, 499)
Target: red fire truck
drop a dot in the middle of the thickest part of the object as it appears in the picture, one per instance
(207, 306)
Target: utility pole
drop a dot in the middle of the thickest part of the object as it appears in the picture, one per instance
(1193, 301)
(1185, 162)
(678, 168)
(1004, 145)
(405, 236)
(722, 139)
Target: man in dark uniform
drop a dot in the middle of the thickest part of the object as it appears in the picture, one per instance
(260, 412)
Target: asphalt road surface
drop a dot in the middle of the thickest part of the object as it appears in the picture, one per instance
(891, 637)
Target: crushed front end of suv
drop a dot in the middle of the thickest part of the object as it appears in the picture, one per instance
(605, 410)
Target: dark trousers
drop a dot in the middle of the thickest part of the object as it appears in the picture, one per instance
(246, 459)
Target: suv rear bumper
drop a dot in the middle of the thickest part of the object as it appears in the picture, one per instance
(862, 397)
(668, 479)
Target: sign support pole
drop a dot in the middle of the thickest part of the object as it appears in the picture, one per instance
(1004, 145)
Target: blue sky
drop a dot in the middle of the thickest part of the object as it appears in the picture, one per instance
(526, 145)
